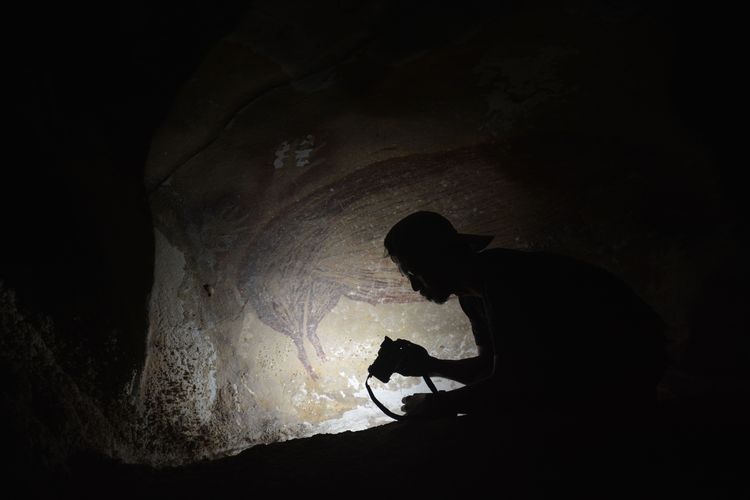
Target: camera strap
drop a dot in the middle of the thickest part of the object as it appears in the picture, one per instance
(385, 410)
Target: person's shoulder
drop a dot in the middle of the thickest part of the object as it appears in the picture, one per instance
(533, 267)
(506, 262)
(502, 269)
(536, 259)
(501, 256)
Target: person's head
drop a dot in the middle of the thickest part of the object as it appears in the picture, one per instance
(430, 252)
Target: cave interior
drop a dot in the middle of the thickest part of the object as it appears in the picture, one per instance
(193, 187)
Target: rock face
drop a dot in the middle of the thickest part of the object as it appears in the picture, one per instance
(281, 167)
(76, 264)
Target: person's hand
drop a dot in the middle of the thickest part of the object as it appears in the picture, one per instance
(425, 405)
(416, 405)
(415, 361)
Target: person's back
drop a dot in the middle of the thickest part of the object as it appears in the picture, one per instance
(565, 332)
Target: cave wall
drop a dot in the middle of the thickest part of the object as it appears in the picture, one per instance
(87, 85)
(309, 130)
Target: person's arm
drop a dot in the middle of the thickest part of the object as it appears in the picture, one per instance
(416, 362)
(478, 373)
(478, 393)
(466, 371)
(465, 399)
(470, 370)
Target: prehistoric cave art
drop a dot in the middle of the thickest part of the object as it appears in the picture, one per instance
(329, 244)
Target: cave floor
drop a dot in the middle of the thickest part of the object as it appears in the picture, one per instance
(694, 447)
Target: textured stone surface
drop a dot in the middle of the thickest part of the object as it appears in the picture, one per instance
(688, 450)
(282, 165)
(51, 422)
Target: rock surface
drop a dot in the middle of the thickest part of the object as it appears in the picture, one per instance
(283, 163)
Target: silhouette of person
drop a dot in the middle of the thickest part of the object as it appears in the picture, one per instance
(550, 331)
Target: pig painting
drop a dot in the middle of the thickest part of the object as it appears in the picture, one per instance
(329, 244)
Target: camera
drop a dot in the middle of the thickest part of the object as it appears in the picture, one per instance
(389, 356)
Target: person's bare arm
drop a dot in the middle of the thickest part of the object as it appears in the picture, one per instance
(466, 371)
(478, 375)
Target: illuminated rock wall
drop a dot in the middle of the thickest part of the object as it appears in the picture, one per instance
(280, 169)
